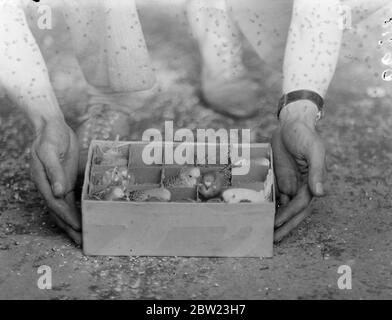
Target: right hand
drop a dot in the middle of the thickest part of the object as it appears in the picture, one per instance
(54, 167)
(299, 157)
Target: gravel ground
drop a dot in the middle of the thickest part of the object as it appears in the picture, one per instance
(351, 226)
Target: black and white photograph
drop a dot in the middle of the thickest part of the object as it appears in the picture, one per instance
(214, 152)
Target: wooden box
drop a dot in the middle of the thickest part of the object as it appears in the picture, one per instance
(185, 226)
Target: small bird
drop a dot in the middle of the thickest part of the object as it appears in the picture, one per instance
(114, 194)
(186, 177)
(137, 196)
(213, 182)
(114, 182)
(109, 194)
(118, 176)
(158, 194)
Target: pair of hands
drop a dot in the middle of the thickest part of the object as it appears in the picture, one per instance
(299, 157)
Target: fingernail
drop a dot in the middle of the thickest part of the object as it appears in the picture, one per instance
(57, 188)
(319, 188)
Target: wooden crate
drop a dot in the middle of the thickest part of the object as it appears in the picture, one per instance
(180, 227)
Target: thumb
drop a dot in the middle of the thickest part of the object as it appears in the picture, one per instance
(54, 170)
(316, 162)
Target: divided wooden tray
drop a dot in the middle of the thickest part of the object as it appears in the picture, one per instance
(185, 226)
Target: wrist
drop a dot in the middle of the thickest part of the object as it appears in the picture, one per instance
(301, 111)
(43, 111)
(40, 109)
(39, 121)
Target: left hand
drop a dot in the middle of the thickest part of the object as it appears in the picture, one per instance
(299, 159)
(54, 166)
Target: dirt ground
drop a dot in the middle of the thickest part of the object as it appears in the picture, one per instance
(351, 226)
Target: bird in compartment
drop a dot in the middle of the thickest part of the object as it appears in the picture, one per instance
(116, 193)
(157, 194)
(213, 182)
(118, 176)
(187, 177)
(111, 193)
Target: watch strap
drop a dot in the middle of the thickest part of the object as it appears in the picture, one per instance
(294, 96)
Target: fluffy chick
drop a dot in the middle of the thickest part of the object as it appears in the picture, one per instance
(137, 196)
(118, 176)
(187, 177)
(109, 194)
(159, 195)
(213, 182)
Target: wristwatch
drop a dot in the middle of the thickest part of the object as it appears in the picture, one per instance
(294, 96)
